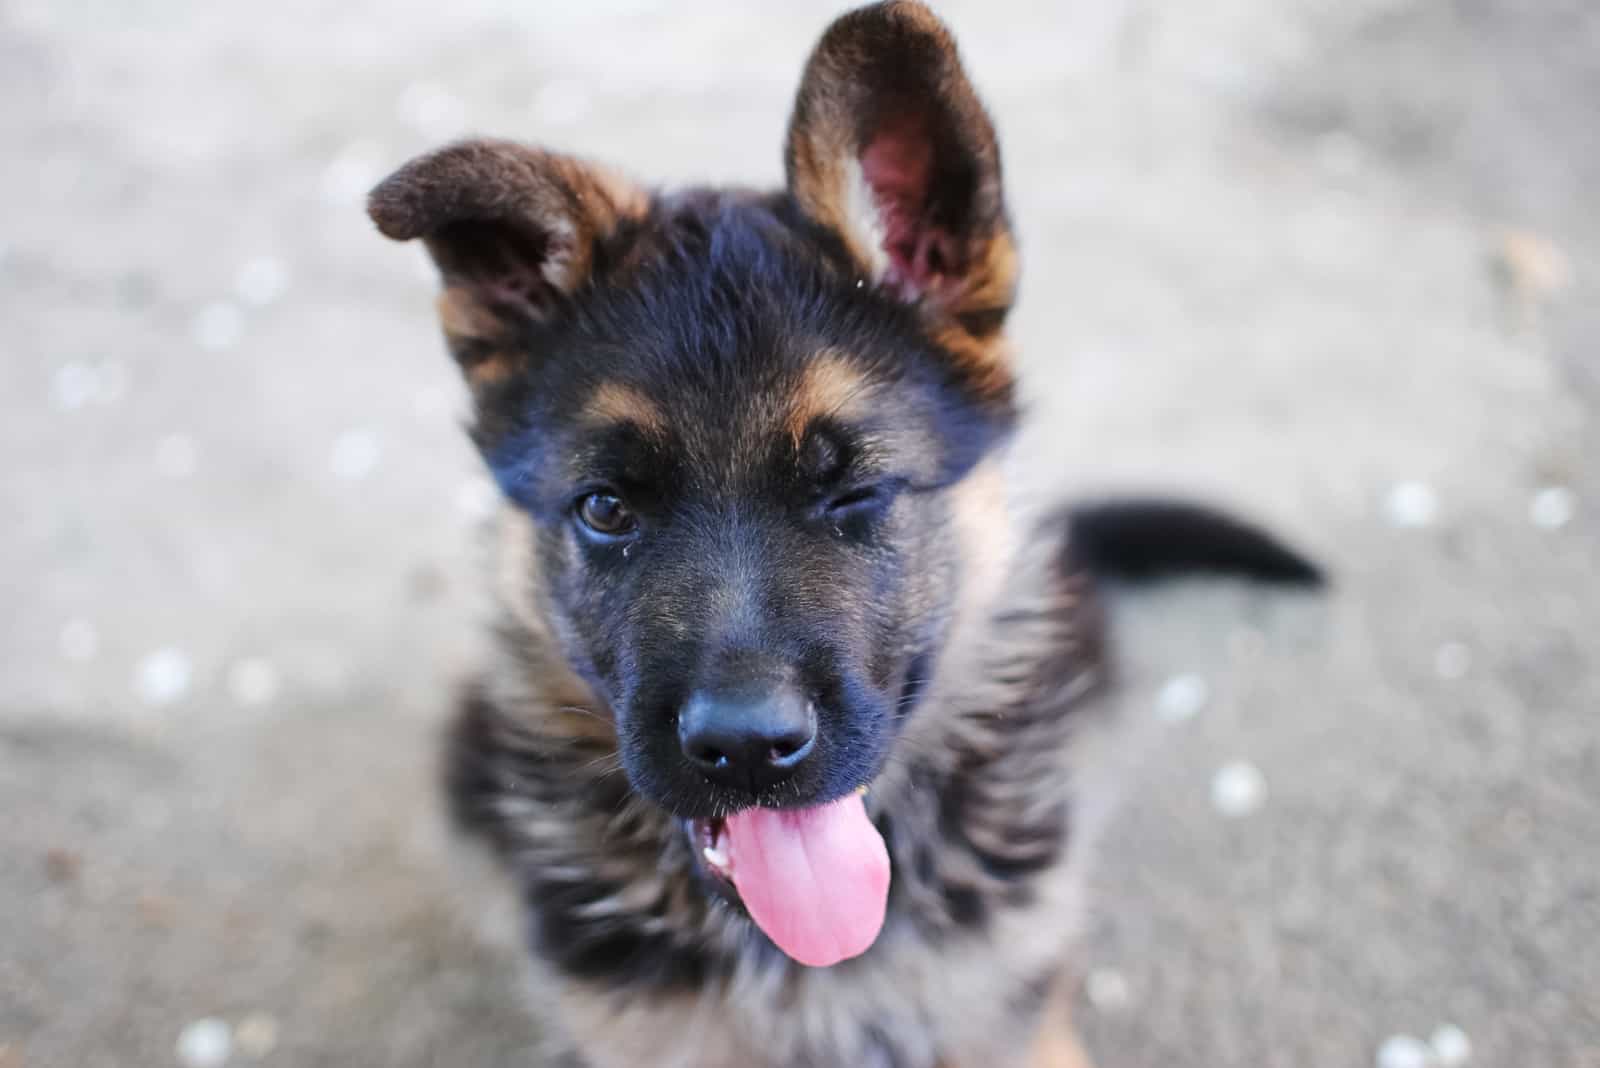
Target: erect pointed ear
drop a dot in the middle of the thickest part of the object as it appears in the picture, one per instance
(515, 232)
(890, 148)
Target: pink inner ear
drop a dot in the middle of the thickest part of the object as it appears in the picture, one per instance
(898, 166)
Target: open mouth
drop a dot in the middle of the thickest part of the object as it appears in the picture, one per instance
(707, 839)
(815, 880)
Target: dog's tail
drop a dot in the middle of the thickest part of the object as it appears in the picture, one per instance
(1143, 539)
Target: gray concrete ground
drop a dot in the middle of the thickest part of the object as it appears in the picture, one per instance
(1332, 262)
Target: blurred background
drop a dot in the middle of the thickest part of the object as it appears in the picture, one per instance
(1330, 262)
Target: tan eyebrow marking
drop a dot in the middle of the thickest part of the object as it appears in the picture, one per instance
(614, 402)
(831, 385)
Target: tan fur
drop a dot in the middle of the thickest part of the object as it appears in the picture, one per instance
(462, 316)
(552, 694)
(977, 791)
(834, 192)
(830, 387)
(992, 282)
(510, 193)
(475, 337)
(987, 361)
(613, 402)
(841, 92)
(986, 291)
(825, 170)
(942, 1002)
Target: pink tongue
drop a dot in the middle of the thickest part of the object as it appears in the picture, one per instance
(816, 880)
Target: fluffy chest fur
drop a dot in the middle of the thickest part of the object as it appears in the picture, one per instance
(636, 962)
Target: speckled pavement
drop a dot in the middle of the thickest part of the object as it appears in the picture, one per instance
(1332, 263)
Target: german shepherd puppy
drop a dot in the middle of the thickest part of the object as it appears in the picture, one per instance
(777, 737)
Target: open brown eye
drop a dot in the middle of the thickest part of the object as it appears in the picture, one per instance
(605, 514)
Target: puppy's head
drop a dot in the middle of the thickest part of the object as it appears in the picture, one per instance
(739, 422)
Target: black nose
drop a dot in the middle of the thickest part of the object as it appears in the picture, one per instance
(751, 740)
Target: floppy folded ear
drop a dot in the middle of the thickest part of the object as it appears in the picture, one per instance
(890, 149)
(515, 232)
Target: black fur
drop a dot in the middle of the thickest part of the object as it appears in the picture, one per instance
(717, 327)
(755, 438)
(1144, 539)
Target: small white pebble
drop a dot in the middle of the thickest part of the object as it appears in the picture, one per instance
(477, 499)
(177, 456)
(355, 454)
(217, 327)
(1403, 1051)
(1452, 660)
(257, 1035)
(1182, 698)
(1107, 990)
(1412, 504)
(73, 386)
(1238, 789)
(206, 1043)
(1553, 507)
(163, 677)
(561, 103)
(253, 681)
(1451, 1046)
(79, 640)
(261, 280)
